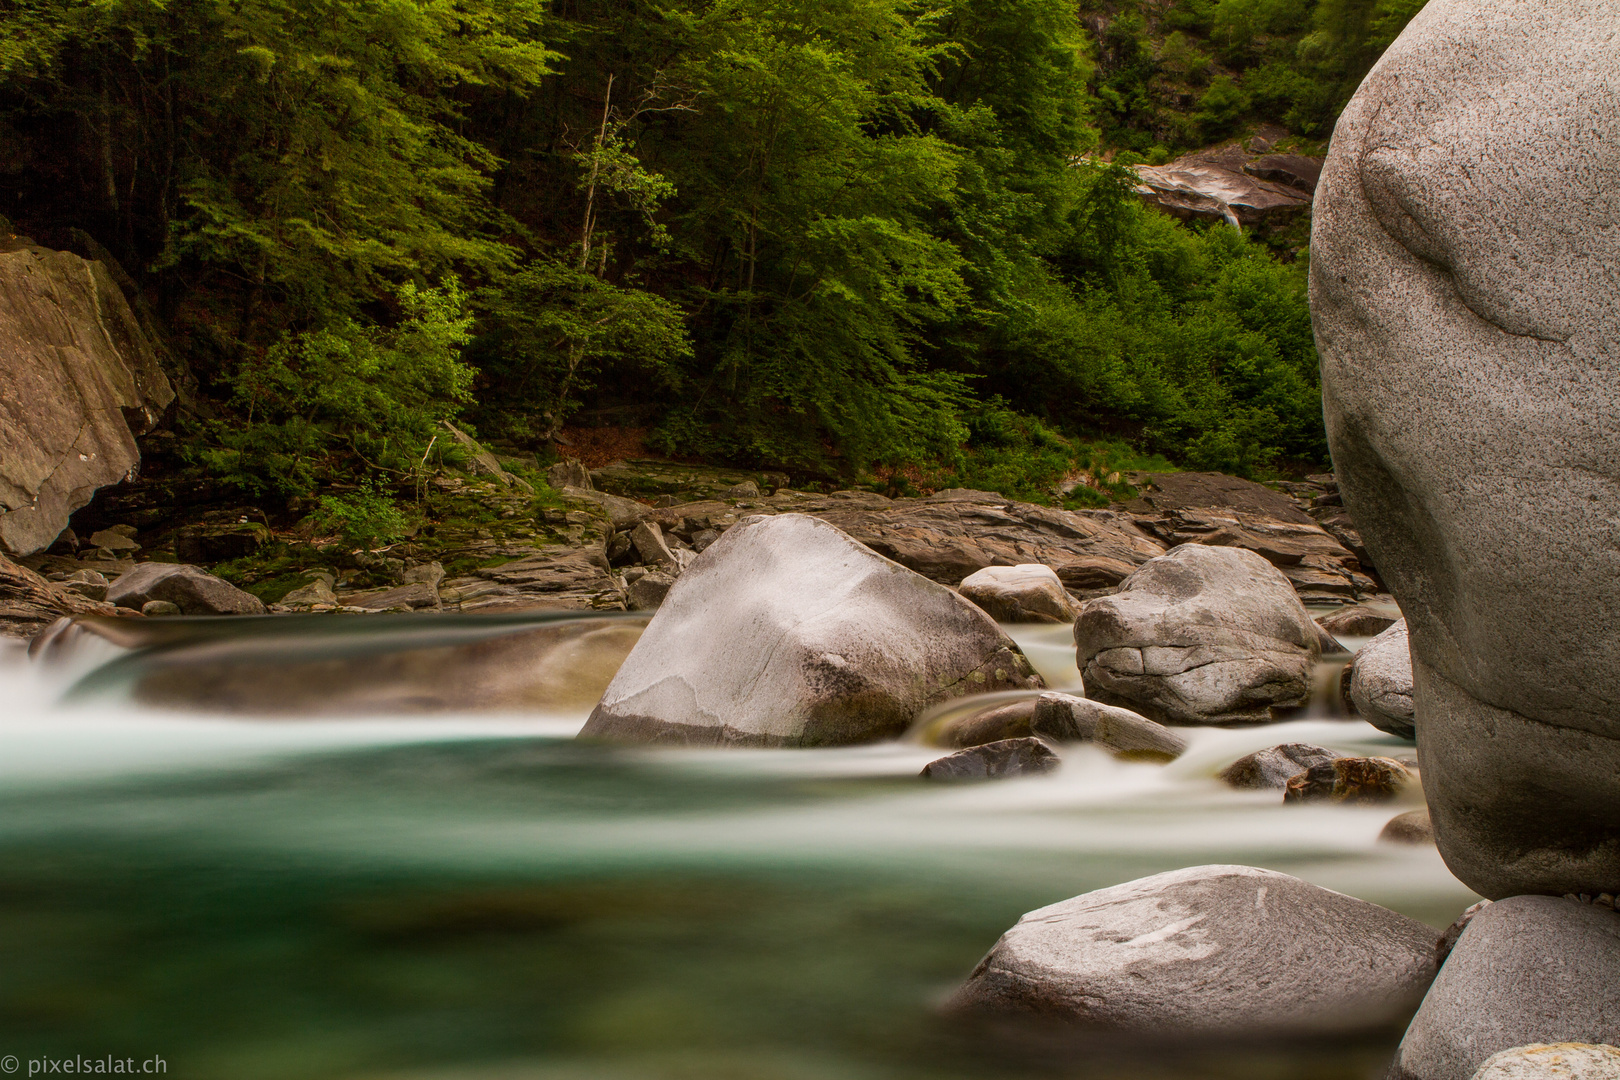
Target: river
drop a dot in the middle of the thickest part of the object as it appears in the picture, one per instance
(479, 897)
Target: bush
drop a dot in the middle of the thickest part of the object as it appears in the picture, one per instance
(368, 517)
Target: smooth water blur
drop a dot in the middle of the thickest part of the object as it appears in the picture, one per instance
(481, 897)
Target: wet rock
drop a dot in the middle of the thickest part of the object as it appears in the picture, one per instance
(570, 473)
(1527, 969)
(1273, 767)
(787, 632)
(1349, 779)
(192, 590)
(648, 590)
(1381, 684)
(648, 540)
(994, 761)
(1466, 324)
(1208, 951)
(1066, 718)
(78, 381)
(1010, 721)
(1020, 594)
(1360, 620)
(1201, 635)
(155, 609)
(1553, 1061)
(1412, 827)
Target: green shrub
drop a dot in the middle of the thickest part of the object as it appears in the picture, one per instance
(367, 517)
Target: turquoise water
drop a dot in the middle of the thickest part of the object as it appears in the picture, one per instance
(480, 897)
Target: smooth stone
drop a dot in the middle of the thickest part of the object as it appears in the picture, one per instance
(1273, 767)
(1066, 718)
(1553, 1061)
(193, 591)
(787, 632)
(1202, 635)
(1527, 969)
(1027, 593)
(160, 608)
(1010, 721)
(1412, 827)
(1212, 951)
(994, 761)
(1381, 684)
(1463, 296)
(1349, 780)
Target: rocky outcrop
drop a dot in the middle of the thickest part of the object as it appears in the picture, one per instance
(193, 591)
(787, 632)
(1466, 322)
(994, 761)
(1020, 594)
(29, 603)
(1225, 183)
(78, 382)
(1273, 767)
(1381, 684)
(1528, 969)
(1208, 951)
(1203, 635)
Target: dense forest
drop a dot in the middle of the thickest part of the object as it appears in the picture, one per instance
(872, 241)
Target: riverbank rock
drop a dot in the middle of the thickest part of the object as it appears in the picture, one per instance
(1381, 683)
(1349, 779)
(1274, 766)
(193, 591)
(29, 604)
(1553, 1061)
(1208, 951)
(1528, 969)
(1466, 322)
(1020, 594)
(1066, 718)
(994, 761)
(786, 632)
(78, 382)
(1203, 635)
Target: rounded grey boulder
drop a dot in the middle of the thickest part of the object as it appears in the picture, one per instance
(786, 632)
(1381, 684)
(1528, 969)
(1026, 593)
(193, 591)
(1202, 635)
(1209, 951)
(1463, 291)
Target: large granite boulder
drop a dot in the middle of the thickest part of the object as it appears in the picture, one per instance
(1209, 951)
(78, 382)
(1463, 290)
(1528, 969)
(1381, 684)
(1027, 593)
(192, 590)
(786, 632)
(1203, 635)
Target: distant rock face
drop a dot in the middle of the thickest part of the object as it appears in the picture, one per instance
(1208, 951)
(1226, 184)
(1463, 292)
(78, 382)
(1203, 635)
(1027, 593)
(787, 632)
(1381, 684)
(1528, 969)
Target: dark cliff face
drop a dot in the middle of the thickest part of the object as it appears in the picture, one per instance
(78, 382)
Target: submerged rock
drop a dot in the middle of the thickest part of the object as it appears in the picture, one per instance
(1466, 321)
(1274, 766)
(1381, 684)
(994, 761)
(1009, 721)
(1553, 1061)
(1203, 635)
(1349, 779)
(786, 632)
(1528, 969)
(1066, 718)
(193, 591)
(1025, 593)
(1412, 827)
(1208, 951)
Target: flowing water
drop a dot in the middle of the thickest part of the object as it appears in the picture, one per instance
(477, 896)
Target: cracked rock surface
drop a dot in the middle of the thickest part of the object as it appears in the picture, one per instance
(785, 632)
(1463, 282)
